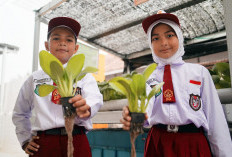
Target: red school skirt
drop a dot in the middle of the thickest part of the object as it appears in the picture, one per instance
(161, 143)
(53, 145)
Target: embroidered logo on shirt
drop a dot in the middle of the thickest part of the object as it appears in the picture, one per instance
(36, 90)
(195, 102)
(168, 94)
(152, 83)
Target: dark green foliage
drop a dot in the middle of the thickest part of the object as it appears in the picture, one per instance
(221, 75)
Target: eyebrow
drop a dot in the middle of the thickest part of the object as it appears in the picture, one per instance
(164, 33)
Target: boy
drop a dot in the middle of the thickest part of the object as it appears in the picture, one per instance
(39, 120)
(188, 105)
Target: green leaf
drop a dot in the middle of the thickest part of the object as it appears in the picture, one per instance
(138, 85)
(119, 87)
(44, 90)
(85, 71)
(75, 65)
(57, 70)
(148, 71)
(90, 69)
(45, 60)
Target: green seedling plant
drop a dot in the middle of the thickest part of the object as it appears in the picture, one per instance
(65, 79)
(134, 88)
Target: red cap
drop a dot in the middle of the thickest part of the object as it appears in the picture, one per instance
(70, 23)
(160, 15)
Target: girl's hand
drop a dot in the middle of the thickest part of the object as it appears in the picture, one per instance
(82, 109)
(31, 146)
(126, 118)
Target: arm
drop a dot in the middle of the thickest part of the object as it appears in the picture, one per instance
(91, 100)
(218, 133)
(22, 112)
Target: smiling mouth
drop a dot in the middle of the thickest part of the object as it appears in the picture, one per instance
(62, 50)
(165, 50)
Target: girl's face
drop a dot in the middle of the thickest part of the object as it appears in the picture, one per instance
(164, 41)
(62, 44)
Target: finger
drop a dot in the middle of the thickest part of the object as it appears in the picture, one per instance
(28, 152)
(126, 128)
(32, 148)
(84, 114)
(146, 116)
(75, 98)
(127, 117)
(125, 111)
(79, 103)
(83, 108)
(35, 137)
(34, 144)
(125, 123)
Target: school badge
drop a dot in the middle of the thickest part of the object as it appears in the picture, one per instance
(195, 102)
(152, 83)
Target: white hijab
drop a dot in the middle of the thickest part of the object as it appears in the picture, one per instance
(177, 57)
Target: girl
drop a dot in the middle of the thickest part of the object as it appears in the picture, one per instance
(188, 105)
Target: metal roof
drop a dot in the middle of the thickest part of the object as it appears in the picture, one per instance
(116, 25)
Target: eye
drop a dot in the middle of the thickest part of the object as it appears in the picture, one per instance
(154, 39)
(70, 40)
(170, 35)
(55, 38)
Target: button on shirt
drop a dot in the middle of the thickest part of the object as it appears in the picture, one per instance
(33, 113)
(191, 81)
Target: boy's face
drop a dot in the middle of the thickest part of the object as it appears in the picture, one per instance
(164, 41)
(62, 44)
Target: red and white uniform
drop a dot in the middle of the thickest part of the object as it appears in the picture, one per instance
(34, 113)
(197, 100)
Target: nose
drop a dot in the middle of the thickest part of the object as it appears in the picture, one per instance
(62, 42)
(164, 42)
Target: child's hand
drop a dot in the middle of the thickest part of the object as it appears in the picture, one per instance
(82, 109)
(126, 120)
(31, 146)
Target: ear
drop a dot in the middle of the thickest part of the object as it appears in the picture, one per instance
(46, 45)
(76, 48)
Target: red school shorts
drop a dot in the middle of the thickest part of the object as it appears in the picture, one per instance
(56, 146)
(160, 143)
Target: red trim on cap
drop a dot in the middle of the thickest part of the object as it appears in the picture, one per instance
(195, 82)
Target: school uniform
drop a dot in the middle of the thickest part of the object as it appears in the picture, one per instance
(187, 120)
(35, 115)
(197, 103)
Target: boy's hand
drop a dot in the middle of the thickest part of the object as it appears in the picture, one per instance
(126, 118)
(31, 146)
(82, 109)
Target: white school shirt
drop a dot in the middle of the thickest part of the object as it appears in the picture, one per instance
(208, 114)
(34, 113)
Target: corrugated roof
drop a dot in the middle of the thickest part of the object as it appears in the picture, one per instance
(116, 25)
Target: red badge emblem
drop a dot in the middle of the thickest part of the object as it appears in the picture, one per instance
(195, 102)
